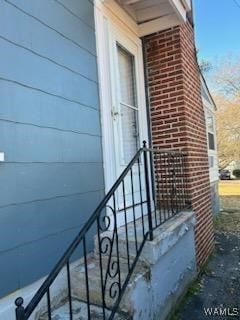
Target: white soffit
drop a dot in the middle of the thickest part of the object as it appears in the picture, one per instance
(156, 15)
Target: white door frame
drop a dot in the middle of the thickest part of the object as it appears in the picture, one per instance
(113, 24)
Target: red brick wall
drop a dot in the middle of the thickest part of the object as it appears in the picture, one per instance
(177, 118)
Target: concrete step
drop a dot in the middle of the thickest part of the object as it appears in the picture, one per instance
(129, 237)
(156, 277)
(112, 282)
(60, 308)
(80, 312)
(78, 275)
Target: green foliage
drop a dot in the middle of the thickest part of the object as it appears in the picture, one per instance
(236, 173)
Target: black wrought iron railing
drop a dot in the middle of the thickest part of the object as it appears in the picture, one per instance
(170, 192)
(117, 231)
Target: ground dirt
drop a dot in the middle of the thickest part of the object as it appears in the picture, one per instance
(218, 287)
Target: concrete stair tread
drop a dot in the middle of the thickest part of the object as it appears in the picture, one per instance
(80, 312)
(93, 266)
(94, 276)
(130, 238)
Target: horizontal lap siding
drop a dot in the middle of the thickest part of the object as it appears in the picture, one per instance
(27, 69)
(30, 143)
(46, 42)
(52, 178)
(64, 210)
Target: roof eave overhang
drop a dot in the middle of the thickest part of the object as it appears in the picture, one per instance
(156, 15)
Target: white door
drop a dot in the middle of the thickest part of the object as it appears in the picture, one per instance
(129, 121)
(123, 108)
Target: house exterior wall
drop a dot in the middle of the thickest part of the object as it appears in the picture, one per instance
(177, 118)
(209, 111)
(52, 177)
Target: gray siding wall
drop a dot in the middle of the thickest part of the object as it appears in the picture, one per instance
(52, 178)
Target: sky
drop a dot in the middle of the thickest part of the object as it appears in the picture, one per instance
(217, 28)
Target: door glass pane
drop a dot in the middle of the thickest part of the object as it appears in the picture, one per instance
(129, 132)
(126, 74)
(128, 105)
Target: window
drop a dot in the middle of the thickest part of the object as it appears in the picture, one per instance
(210, 130)
(210, 121)
(211, 142)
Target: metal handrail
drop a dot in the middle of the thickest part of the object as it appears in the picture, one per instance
(23, 313)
